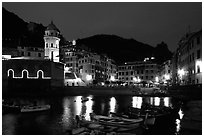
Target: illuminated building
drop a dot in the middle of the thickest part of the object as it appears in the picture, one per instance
(87, 65)
(52, 39)
(135, 72)
(165, 72)
(189, 59)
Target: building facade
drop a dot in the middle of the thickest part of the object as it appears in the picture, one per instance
(52, 39)
(87, 65)
(189, 59)
(135, 72)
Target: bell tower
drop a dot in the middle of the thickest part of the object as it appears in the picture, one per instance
(52, 39)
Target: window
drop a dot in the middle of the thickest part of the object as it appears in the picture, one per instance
(146, 77)
(22, 53)
(126, 78)
(152, 71)
(152, 77)
(126, 73)
(131, 72)
(123, 73)
(146, 71)
(141, 77)
(119, 73)
(141, 71)
(51, 45)
(198, 54)
(28, 53)
(46, 45)
(131, 78)
(39, 54)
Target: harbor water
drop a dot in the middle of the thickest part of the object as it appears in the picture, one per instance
(60, 119)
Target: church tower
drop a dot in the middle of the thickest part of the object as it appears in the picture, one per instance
(52, 39)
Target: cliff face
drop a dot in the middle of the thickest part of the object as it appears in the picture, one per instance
(124, 50)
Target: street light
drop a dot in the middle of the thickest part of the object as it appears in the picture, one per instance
(181, 72)
(167, 76)
(156, 79)
(88, 77)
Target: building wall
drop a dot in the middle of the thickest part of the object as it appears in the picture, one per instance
(51, 73)
(31, 52)
(132, 71)
(190, 59)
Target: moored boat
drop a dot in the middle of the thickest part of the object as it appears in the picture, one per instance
(118, 121)
(35, 108)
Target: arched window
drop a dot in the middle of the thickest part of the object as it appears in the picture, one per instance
(40, 74)
(25, 74)
(10, 73)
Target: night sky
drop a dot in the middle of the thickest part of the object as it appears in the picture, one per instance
(149, 23)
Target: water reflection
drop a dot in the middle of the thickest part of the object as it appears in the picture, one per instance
(89, 105)
(78, 105)
(156, 101)
(66, 113)
(112, 104)
(178, 121)
(166, 102)
(137, 102)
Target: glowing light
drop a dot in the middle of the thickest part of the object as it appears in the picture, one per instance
(88, 77)
(199, 64)
(151, 101)
(167, 76)
(166, 101)
(138, 79)
(135, 79)
(28, 74)
(6, 57)
(78, 105)
(89, 105)
(181, 72)
(180, 114)
(137, 102)
(156, 79)
(178, 125)
(74, 42)
(152, 57)
(112, 104)
(112, 78)
(157, 101)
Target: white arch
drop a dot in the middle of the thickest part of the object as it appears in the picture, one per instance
(26, 72)
(12, 72)
(38, 73)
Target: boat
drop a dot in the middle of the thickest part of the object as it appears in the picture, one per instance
(118, 121)
(35, 108)
(149, 113)
(84, 99)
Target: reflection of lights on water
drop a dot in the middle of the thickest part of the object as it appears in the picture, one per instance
(156, 101)
(178, 125)
(166, 102)
(66, 114)
(112, 104)
(151, 101)
(78, 105)
(180, 114)
(89, 105)
(178, 121)
(137, 102)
